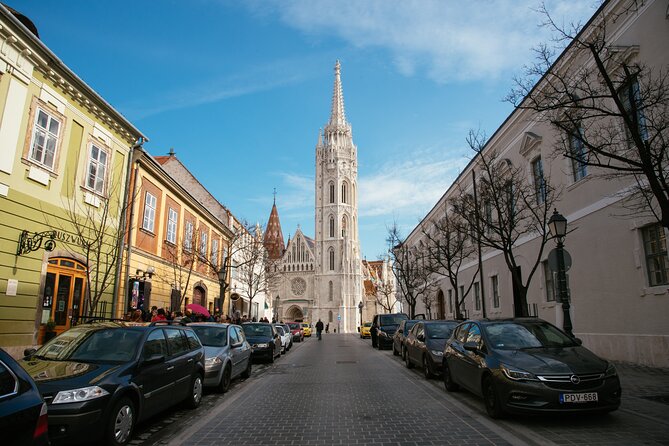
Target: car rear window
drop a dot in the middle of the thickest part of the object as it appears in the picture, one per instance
(294, 326)
(8, 383)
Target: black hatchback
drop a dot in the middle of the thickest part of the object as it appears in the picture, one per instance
(528, 365)
(100, 379)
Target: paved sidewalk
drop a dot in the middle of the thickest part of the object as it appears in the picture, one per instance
(645, 391)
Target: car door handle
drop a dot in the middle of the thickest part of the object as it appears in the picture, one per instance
(190, 360)
(170, 368)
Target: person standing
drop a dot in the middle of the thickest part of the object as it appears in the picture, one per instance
(319, 329)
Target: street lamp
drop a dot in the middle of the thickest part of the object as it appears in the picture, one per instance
(221, 284)
(558, 228)
(361, 304)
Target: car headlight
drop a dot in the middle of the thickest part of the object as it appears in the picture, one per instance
(516, 374)
(210, 362)
(610, 371)
(79, 395)
(437, 352)
(263, 345)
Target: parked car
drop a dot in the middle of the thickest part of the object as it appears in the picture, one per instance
(528, 365)
(424, 345)
(23, 412)
(365, 330)
(296, 331)
(306, 328)
(99, 379)
(383, 328)
(286, 338)
(286, 329)
(227, 353)
(400, 335)
(265, 341)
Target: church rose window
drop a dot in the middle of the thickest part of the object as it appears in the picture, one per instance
(298, 286)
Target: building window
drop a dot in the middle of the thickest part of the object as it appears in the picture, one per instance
(149, 212)
(477, 296)
(332, 226)
(332, 193)
(188, 240)
(578, 155)
(214, 253)
(330, 291)
(655, 249)
(45, 138)
(97, 169)
(494, 282)
(203, 245)
(330, 316)
(344, 224)
(332, 260)
(549, 281)
(450, 301)
(172, 226)
(344, 192)
(539, 180)
(630, 96)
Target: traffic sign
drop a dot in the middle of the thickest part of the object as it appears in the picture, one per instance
(339, 317)
(553, 260)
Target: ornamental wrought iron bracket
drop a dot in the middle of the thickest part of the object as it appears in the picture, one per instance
(32, 241)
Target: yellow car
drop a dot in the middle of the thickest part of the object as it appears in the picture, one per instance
(306, 328)
(365, 330)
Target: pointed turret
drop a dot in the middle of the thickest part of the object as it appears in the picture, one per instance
(273, 240)
(338, 114)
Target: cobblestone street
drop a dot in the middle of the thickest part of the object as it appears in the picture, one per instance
(340, 391)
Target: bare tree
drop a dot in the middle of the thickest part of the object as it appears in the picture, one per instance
(255, 271)
(409, 268)
(181, 258)
(383, 289)
(510, 207)
(448, 246)
(612, 115)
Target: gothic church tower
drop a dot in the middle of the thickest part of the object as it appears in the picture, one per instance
(338, 274)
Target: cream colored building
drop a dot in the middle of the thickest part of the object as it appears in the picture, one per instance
(618, 281)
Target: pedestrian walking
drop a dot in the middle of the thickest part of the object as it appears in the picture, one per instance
(319, 329)
(327, 327)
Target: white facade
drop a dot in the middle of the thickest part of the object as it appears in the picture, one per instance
(615, 309)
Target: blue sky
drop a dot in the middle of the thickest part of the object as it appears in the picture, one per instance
(240, 89)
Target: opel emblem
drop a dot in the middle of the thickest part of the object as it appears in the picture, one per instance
(575, 379)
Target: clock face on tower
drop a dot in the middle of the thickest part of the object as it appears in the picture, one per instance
(298, 286)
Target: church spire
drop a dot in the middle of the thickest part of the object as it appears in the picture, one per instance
(273, 239)
(337, 115)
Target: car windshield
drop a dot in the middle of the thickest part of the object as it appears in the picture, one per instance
(305, 325)
(439, 331)
(519, 335)
(367, 324)
(392, 319)
(253, 330)
(213, 336)
(98, 346)
(294, 326)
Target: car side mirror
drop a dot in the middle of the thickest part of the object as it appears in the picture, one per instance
(154, 359)
(29, 351)
(578, 341)
(471, 346)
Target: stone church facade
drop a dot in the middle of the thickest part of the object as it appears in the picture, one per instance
(321, 278)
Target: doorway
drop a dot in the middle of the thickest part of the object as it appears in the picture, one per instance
(64, 288)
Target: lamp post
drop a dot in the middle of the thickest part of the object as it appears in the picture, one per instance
(221, 289)
(558, 228)
(361, 304)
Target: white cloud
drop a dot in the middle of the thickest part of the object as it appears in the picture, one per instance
(448, 40)
(408, 187)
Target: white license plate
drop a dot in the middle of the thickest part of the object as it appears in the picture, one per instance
(588, 397)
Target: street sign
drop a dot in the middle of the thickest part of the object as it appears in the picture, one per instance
(339, 317)
(553, 260)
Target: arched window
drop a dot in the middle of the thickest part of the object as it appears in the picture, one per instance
(332, 226)
(344, 225)
(332, 259)
(330, 316)
(330, 291)
(344, 192)
(332, 192)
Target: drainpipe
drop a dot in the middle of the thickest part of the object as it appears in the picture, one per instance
(135, 151)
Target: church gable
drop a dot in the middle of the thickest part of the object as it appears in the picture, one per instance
(299, 255)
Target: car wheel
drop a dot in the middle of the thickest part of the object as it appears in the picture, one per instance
(121, 423)
(448, 379)
(226, 378)
(404, 353)
(247, 372)
(491, 399)
(427, 371)
(271, 356)
(407, 360)
(395, 353)
(195, 396)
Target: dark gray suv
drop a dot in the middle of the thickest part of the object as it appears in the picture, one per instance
(384, 327)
